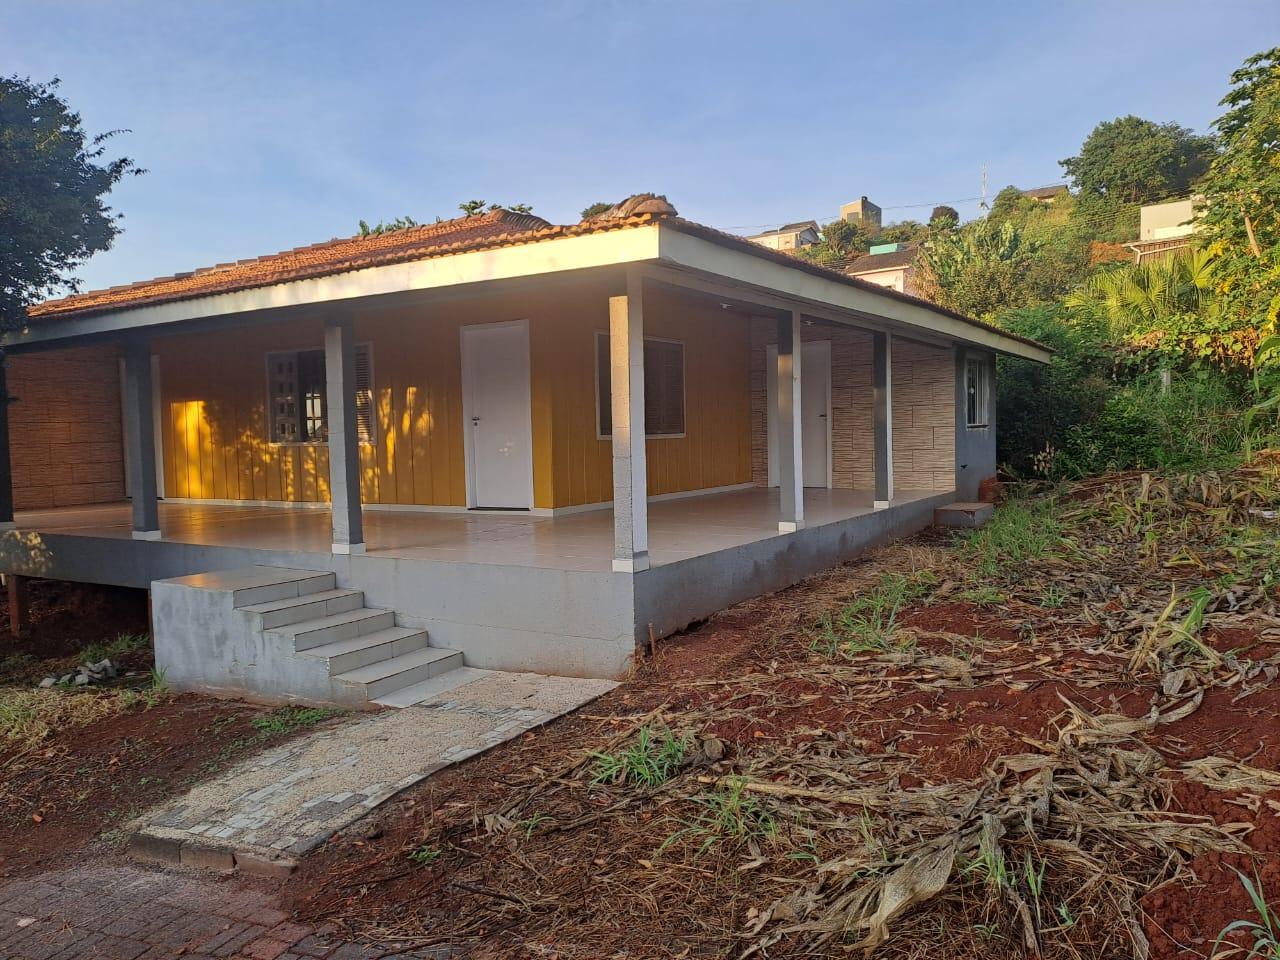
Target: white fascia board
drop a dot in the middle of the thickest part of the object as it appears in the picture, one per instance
(699, 254)
(609, 248)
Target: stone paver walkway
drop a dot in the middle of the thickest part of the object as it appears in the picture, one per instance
(262, 814)
(126, 912)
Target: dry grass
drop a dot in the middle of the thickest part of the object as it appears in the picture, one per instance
(29, 716)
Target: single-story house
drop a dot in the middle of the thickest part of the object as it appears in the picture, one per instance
(890, 265)
(348, 468)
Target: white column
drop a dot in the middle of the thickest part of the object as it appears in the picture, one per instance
(140, 439)
(630, 470)
(344, 440)
(790, 452)
(882, 420)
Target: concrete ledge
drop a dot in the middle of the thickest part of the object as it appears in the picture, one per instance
(205, 856)
(155, 849)
(262, 865)
(963, 515)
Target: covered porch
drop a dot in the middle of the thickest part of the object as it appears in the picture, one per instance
(679, 529)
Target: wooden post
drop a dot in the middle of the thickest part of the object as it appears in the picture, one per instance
(19, 608)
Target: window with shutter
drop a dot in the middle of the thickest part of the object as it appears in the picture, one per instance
(664, 394)
(297, 403)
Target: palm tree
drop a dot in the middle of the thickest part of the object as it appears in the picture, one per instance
(1139, 299)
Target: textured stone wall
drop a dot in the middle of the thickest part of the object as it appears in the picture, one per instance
(66, 437)
(924, 424)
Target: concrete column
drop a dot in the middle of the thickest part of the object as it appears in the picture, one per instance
(630, 468)
(6, 466)
(882, 418)
(140, 439)
(790, 452)
(344, 439)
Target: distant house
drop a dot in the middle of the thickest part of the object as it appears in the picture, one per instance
(889, 265)
(861, 211)
(1046, 194)
(790, 236)
(1165, 228)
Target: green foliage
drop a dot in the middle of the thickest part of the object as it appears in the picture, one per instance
(839, 240)
(53, 181)
(729, 817)
(1264, 932)
(870, 621)
(113, 649)
(1241, 220)
(596, 209)
(649, 762)
(287, 719)
(391, 226)
(944, 218)
(425, 855)
(1021, 532)
(473, 208)
(979, 269)
(907, 231)
(1131, 160)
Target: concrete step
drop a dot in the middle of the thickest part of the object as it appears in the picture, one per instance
(354, 652)
(311, 606)
(381, 678)
(338, 626)
(426, 689)
(250, 585)
(963, 515)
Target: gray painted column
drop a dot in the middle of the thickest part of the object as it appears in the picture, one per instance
(630, 467)
(6, 467)
(790, 452)
(882, 420)
(140, 439)
(344, 440)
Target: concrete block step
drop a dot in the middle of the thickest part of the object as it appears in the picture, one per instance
(381, 678)
(344, 655)
(338, 626)
(249, 585)
(963, 515)
(434, 687)
(311, 606)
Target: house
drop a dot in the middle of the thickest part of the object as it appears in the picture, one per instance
(492, 441)
(1046, 194)
(889, 265)
(791, 236)
(861, 211)
(1165, 228)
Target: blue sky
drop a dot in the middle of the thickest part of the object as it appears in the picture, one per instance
(267, 124)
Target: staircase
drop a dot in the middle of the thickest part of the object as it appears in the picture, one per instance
(294, 633)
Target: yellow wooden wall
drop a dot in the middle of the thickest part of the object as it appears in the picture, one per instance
(213, 390)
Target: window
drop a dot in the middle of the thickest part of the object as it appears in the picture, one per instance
(977, 392)
(663, 387)
(296, 396)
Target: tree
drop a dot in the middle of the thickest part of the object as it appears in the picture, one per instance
(904, 231)
(472, 208)
(596, 209)
(399, 223)
(53, 181)
(978, 270)
(1006, 202)
(1241, 228)
(1131, 160)
(944, 218)
(838, 240)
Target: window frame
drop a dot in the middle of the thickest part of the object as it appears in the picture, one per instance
(982, 393)
(370, 441)
(684, 388)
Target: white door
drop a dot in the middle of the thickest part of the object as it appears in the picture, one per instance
(497, 415)
(815, 411)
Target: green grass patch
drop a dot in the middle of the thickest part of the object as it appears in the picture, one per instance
(653, 759)
(425, 855)
(287, 719)
(869, 622)
(1020, 532)
(729, 817)
(114, 649)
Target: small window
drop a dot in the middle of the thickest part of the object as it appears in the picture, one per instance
(297, 399)
(977, 391)
(663, 387)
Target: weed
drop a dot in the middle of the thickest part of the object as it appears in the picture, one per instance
(113, 649)
(871, 620)
(1021, 531)
(529, 824)
(650, 761)
(983, 596)
(28, 716)
(1053, 597)
(425, 855)
(730, 815)
(1265, 931)
(1066, 916)
(990, 865)
(286, 719)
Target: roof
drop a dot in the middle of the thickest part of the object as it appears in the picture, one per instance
(495, 228)
(792, 228)
(869, 262)
(1043, 193)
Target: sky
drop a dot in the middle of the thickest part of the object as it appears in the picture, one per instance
(269, 124)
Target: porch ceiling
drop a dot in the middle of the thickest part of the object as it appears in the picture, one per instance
(678, 529)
